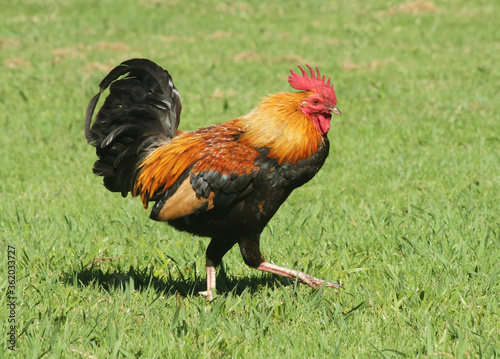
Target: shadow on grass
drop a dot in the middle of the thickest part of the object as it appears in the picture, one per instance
(144, 279)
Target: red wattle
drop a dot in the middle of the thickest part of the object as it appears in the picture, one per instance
(322, 123)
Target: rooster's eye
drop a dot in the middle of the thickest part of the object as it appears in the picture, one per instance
(315, 101)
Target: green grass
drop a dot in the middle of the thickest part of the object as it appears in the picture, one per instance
(405, 213)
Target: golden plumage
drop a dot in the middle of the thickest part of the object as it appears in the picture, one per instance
(279, 124)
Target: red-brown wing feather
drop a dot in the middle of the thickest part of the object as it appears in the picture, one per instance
(227, 156)
(219, 168)
(222, 175)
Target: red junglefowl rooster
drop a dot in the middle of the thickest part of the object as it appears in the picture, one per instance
(224, 181)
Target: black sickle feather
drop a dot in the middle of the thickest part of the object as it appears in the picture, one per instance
(140, 113)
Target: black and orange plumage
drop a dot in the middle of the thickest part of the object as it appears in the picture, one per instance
(224, 181)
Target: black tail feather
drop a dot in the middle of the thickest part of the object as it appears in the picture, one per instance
(141, 112)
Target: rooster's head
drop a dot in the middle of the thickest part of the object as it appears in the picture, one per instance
(320, 106)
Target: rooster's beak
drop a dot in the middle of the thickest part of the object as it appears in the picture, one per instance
(335, 110)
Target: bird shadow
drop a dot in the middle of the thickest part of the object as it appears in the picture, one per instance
(146, 278)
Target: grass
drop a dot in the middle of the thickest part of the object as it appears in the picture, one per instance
(405, 213)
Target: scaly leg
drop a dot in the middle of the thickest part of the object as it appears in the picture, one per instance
(215, 251)
(250, 251)
(211, 279)
(311, 281)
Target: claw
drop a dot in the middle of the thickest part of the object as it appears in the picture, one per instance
(208, 294)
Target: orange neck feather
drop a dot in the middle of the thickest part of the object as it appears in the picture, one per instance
(279, 124)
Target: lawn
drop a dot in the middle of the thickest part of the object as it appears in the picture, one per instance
(405, 213)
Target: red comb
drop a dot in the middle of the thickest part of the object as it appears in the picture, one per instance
(314, 83)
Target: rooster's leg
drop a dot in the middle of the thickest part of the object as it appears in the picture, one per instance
(251, 254)
(215, 251)
(211, 279)
(311, 281)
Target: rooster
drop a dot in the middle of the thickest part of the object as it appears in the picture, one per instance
(224, 181)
